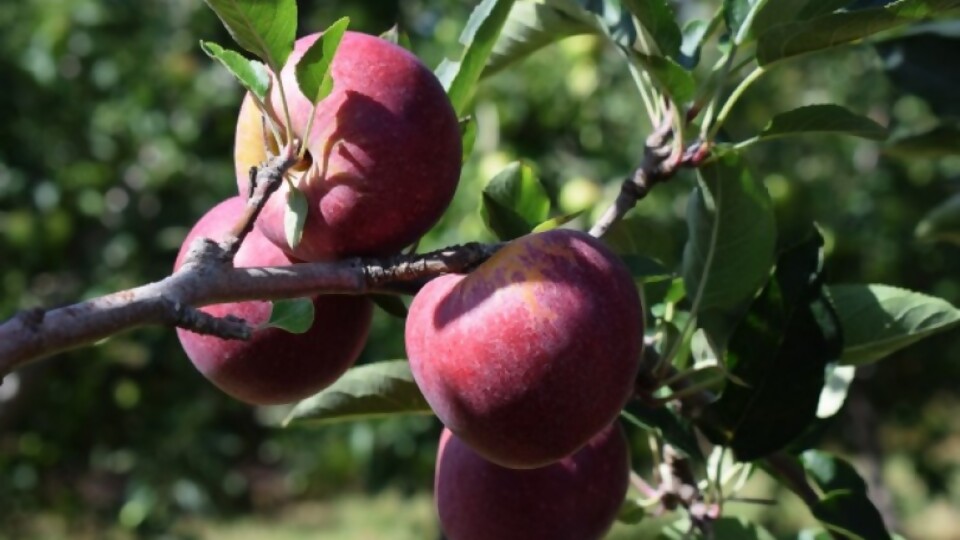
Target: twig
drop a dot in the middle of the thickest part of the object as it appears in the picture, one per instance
(264, 181)
(662, 158)
(38, 333)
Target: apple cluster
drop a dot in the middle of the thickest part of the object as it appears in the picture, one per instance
(527, 360)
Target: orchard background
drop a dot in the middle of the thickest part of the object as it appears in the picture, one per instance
(117, 136)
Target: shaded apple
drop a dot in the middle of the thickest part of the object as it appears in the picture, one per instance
(576, 498)
(534, 352)
(274, 366)
(383, 156)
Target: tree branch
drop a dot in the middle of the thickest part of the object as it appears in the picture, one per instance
(662, 158)
(38, 333)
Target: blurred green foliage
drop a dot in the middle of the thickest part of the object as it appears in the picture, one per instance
(117, 134)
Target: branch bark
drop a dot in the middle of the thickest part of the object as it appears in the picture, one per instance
(38, 333)
(662, 158)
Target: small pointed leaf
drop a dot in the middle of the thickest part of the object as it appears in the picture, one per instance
(779, 352)
(252, 75)
(824, 118)
(942, 223)
(371, 390)
(732, 235)
(266, 28)
(879, 320)
(941, 141)
(852, 515)
(313, 69)
(658, 19)
(294, 216)
(514, 202)
(826, 31)
(397, 37)
(294, 316)
(556, 222)
(736, 13)
(835, 389)
(479, 37)
(530, 27)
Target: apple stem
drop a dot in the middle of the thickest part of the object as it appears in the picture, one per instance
(267, 121)
(286, 110)
(306, 135)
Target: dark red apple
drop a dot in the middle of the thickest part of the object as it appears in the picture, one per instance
(274, 366)
(576, 498)
(534, 352)
(383, 156)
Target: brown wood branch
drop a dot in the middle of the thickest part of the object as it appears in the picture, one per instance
(38, 333)
(264, 181)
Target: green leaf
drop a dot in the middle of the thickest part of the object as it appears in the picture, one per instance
(667, 424)
(844, 508)
(637, 234)
(313, 69)
(390, 304)
(852, 515)
(252, 75)
(739, 528)
(265, 28)
(631, 512)
(643, 267)
(514, 202)
(671, 77)
(371, 390)
(657, 18)
(780, 352)
(832, 473)
(556, 222)
(479, 37)
(824, 118)
(942, 141)
(776, 12)
(835, 389)
(397, 37)
(736, 12)
(732, 236)
(294, 216)
(531, 26)
(814, 8)
(294, 316)
(694, 34)
(941, 223)
(826, 31)
(468, 133)
(879, 320)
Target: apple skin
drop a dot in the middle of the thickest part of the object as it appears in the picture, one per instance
(576, 498)
(387, 144)
(534, 352)
(274, 366)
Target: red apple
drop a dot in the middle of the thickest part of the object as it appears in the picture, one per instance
(534, 352)
(383, 156)
(274, 366)
(576, 498)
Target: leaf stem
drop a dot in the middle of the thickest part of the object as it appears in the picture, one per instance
(288, 133)
(734, 97)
